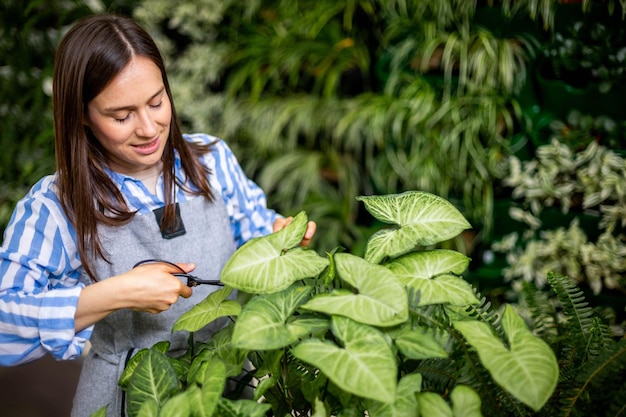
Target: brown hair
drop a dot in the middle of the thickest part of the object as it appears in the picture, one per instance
(88, 57)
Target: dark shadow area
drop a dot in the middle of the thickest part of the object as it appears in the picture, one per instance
(44, 388)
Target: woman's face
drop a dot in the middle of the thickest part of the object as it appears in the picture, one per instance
(131, 118)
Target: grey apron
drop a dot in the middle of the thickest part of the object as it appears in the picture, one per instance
(208, 242)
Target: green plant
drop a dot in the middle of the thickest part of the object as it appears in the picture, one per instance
(589, 51)
(578, 130)
(292, 86)
(469, 58)
(396, 332)
(587, 184)
(274, 78)
(592, 358)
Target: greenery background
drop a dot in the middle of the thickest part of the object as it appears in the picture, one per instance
(330, 99)
(297, 88)
(323, 101)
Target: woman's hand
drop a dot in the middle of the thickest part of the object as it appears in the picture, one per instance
(311, 226)
(155, 287)
(151, 288)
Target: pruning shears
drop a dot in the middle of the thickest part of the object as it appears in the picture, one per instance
(192, 280)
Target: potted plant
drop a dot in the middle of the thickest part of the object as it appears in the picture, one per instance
(396, 332)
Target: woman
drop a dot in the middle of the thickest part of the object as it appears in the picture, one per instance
(129, 187)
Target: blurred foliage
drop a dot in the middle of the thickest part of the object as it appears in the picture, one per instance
(327, 100)
(322, 100)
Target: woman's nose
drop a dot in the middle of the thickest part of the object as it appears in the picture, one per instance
(147, 126)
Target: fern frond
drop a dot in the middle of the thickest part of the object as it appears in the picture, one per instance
(483, 312)
(438, 375)
(599, 382)
(600, 337)
(542, 312)
(432, 316)
(577, 346)
(573, 302)
(298, 369)
(618, 407)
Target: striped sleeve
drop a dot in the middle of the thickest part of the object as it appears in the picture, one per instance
(39, 283)
(245, 200)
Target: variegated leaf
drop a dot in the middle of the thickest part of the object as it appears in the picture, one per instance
(380, 300)
(271, 263)
(420, 218)
(527, 368)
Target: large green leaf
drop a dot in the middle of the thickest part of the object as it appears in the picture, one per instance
(365, 366)
(430, 263)
(527, 368)
(154, 379)
(241, 408)
(417, 343)
(211, 308)
(405, 404)
(434, 274)
(221, 345)
(208, 396)
(150, 408)
(423, 219)
(129, 369)
(179, 405)
(271, 263)
(465, 403)
(381, 299)
(266, 321)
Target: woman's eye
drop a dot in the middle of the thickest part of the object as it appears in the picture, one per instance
(122, 120)
(156, 106)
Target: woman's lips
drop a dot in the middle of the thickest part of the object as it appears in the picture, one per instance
(148, 148)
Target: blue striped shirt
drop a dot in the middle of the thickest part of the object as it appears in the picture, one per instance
(40, 267)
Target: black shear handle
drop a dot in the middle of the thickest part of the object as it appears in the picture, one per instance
(192, 281)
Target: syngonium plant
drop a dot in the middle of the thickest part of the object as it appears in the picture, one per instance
(397, 332)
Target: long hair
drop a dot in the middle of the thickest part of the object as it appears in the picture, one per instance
(88, 57)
